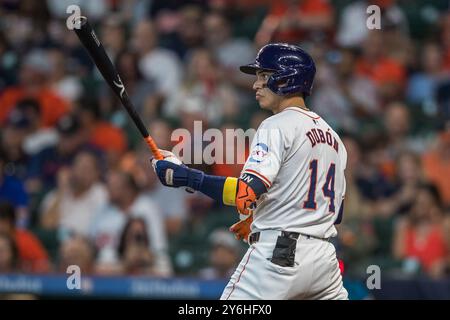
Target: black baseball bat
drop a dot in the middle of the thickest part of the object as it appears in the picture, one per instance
(97, 52)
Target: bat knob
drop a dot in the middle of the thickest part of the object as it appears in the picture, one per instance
(79, 20)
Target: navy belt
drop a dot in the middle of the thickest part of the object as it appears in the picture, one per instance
(254, 237)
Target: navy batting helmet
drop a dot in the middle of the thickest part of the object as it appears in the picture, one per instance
(293, 68)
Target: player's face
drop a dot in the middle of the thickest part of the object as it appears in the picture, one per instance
(265, 97)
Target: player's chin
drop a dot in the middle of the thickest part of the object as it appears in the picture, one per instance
(263, 104)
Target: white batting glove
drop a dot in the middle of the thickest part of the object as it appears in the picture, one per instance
(168, 156)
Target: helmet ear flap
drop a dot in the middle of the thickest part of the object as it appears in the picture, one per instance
(282, 82)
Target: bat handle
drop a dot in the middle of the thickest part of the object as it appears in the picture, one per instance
(154, 148)
(158, 156)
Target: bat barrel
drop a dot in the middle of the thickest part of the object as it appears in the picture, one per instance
(95, 48)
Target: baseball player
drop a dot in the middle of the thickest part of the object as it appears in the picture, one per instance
(290, 192)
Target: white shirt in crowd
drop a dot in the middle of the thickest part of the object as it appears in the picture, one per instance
(38, 141)
(164, 68)
(77, 213)
(172, 201)
(110, 222)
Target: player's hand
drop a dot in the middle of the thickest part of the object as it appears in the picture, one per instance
(168, 156)
(173, 173)
(241, 229)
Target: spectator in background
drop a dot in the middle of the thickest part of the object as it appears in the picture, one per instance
(95, 10)
(71, 207)
(224, 255)
(42, 172)
(436, 162)
(245, 16)
(294, 21)
(134, 249)
(445, 38)
(352, 29)
(231, 146)
(360, 91)
(9, 256)
(8, 61)
(140, 90)
(25, 23)
(229, 52)
(419, 239)
(372, 182)
(156, 64)
(446, 232)
(11, 141)
(38, 137)
(216, 99)
(408, 177)
(173, 202)
(188, 247)
(126, 201)
(134, 11)
(397, 126)
(103, 135)
(113, 36)
(62, 83)
(343, 97)
(422, 85)
(32, 255)
(357, 238)
(13, 191)
(191, 113)
(189, 32)
(34, 83)
(397, 203)
(375, 63)
(398, 44)
(79, 251)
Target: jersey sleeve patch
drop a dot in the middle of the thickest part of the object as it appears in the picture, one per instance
(259, 153)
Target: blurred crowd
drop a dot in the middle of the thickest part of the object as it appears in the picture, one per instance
(76, 184)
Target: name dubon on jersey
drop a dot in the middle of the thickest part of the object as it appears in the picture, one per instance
(301, 160)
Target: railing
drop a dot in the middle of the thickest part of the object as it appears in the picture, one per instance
(91, 287)
(112, 287)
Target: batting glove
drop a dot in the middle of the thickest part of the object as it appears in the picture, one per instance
(173, 173)
(242, 228)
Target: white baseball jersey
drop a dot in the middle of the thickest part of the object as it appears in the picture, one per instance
(301, 160)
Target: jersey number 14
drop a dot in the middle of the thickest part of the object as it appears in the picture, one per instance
(327, 189)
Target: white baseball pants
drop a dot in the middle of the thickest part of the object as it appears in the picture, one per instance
(315, 274)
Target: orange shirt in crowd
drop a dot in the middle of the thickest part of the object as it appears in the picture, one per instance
(385, 70)
(109, 138)
(432, 249)
(437, 170)
(309, 8)
(447, 60)
(52, 105)
(232, 169)
(306, 7)
(227, 170)
(33, 256)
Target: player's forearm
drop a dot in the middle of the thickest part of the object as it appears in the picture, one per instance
(221, 189)
(227, 190)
